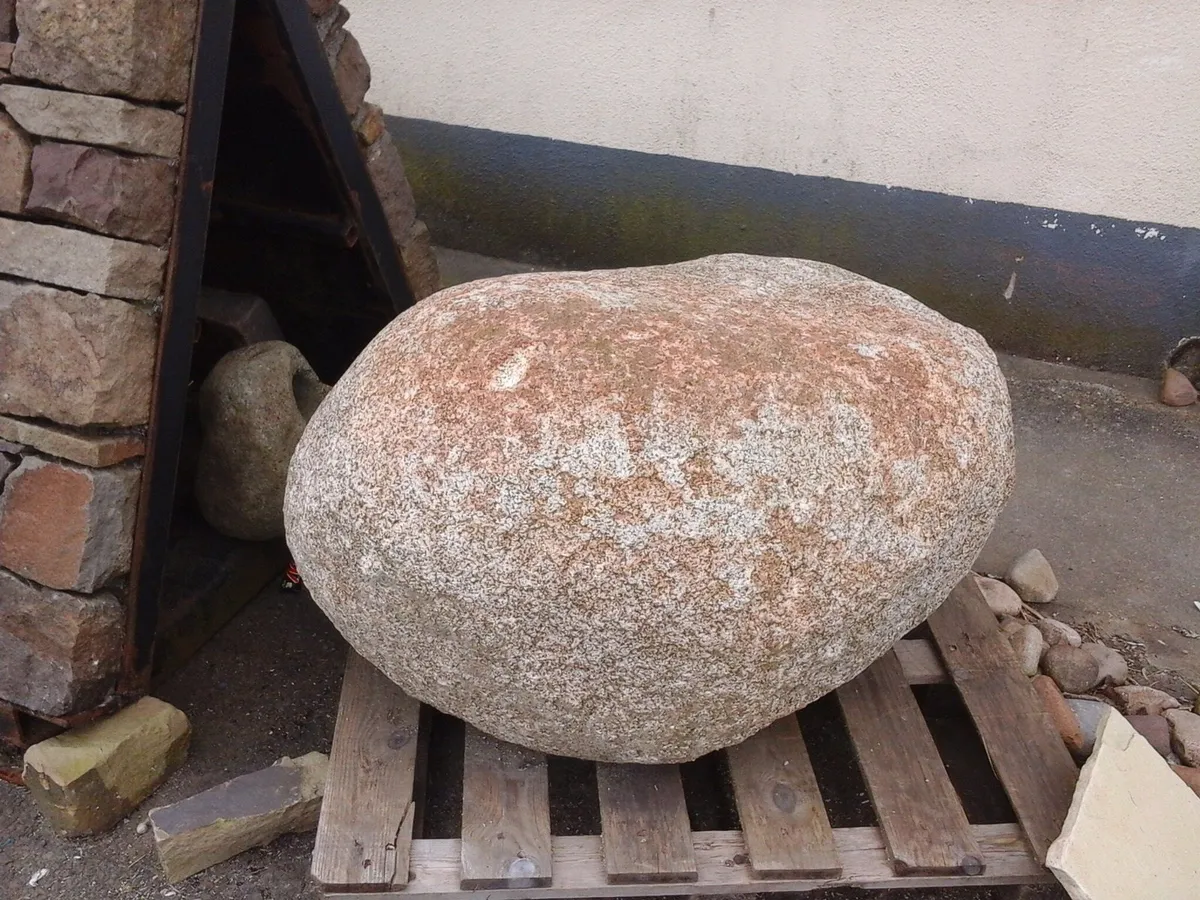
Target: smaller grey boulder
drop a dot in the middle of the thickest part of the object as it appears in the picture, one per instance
(1113, 668)
(1056, 632)
(1089, 714)
(1028, 645)
(253, 407)
(1141, 700)
(1032, 578)
(1001, 599)
(1072, 667)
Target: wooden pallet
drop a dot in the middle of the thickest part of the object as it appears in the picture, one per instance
(367, 840)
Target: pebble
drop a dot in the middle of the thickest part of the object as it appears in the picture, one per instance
(1155, 730)
(1176, 389)
(1028, 645)
(1060, 713)
(1072, 667)
(1113, 668)
(1185, 735)
(1190, 776)
(1032, 578)
(1056, 632)
(1139, 700)
(1001, 599)
(1088, 713)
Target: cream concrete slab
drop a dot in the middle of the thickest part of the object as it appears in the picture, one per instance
(1133, 824)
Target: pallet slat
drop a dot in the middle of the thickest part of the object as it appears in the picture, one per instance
(783, 817)
(1026, 751)
(505, 815)
(644, 820)
(923, 822)
(579, 868)
(365, 830)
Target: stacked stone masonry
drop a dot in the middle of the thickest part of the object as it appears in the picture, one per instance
(91, 131)
(353, 77)
(90, 138)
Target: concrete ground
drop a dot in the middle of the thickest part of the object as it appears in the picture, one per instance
(1106, 489)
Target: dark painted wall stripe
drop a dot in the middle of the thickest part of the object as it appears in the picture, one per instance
(1088, 289)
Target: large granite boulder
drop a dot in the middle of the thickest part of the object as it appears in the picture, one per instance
(637, 515)
(253, 406)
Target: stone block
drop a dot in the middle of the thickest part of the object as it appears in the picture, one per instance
(391, 183)
(16, 151)
(67, 527)
(97, 451)
(6, 55)
(86, 119)
(369, 124)
(352, 74)
(1131, 830)
(75, 359)
(8, 20)
(135, 48)
(88, 779)
(59, 652)
(250, 811)
(8, 462)
(83, 261)
(126, 197)
(420, 265)
(334, 18)
(321, 7)
(247, 319)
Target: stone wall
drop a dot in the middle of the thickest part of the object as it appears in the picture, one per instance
(353, 76)
(91, 126)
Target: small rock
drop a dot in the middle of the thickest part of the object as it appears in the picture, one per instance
(1072, 667)
(86, 780)
(1154, 729)
(1060, 714)
(1089, 714)
(1028, 645)
(249, 811)
(1032, 578)
(1011, 624)
(1056, 632)
(1139, 700)
(1185, 735)
(1176, 389)
(1113, 668)
(1001, 599)
(1190, 776)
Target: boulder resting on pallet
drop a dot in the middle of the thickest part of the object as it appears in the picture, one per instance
(638, 515)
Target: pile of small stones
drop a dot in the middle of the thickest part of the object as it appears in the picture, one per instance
(1077, 680)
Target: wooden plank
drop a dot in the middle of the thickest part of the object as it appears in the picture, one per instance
(505, 815)
(644, 820)
(920, 661)
(923, 822)
(723, 868)
(1025, 748)
(783, 817)
(366, 821)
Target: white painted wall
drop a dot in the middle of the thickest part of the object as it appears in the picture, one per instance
(1083, 105)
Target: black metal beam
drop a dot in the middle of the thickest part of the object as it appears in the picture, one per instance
(206, 99)
(315, 78)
